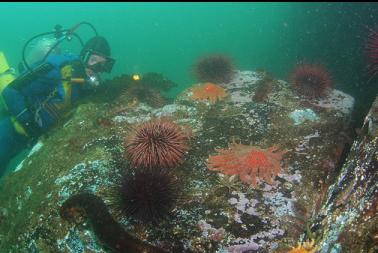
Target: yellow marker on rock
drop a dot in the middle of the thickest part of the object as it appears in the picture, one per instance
(136, 77)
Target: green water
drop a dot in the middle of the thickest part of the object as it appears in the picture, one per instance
(169, 37)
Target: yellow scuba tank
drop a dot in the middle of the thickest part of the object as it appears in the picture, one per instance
(6, 77)
(6, 74)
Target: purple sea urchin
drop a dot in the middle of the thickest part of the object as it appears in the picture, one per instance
(148, 195)
(215, 69)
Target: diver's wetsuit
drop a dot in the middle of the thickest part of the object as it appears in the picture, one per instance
(36, 106)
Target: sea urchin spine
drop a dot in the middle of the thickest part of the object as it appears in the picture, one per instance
(215, 69)
(148, 195)
(157, 144)
(372, 52)
(311, 81)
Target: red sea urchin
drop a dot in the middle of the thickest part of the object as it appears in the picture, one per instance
(148, 195)
(157, 144)
(311, 81)
(372, 52)
(215, 69)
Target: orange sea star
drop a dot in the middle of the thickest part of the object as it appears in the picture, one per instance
(306, 247)
(248, 162)
(208, 91)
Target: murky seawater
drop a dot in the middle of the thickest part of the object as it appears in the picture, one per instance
(222, 127)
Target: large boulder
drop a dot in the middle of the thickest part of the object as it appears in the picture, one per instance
(250, 206)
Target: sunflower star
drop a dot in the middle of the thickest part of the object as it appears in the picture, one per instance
(208, 91)
(249, 162)
(306, 247)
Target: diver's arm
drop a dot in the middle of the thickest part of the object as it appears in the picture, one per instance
(19, 111)
(15, 101)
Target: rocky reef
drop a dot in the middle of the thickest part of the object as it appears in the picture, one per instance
(302, 194)
(348, 219)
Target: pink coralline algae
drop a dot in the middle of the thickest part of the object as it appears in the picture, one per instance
(249, 162)
(243, 248)
(210, 232)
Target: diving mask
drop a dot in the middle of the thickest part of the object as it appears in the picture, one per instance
(98, 62)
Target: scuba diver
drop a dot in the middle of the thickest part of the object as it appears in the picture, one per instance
(47, 89)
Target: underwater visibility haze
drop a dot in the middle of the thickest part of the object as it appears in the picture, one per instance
(189, 127)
